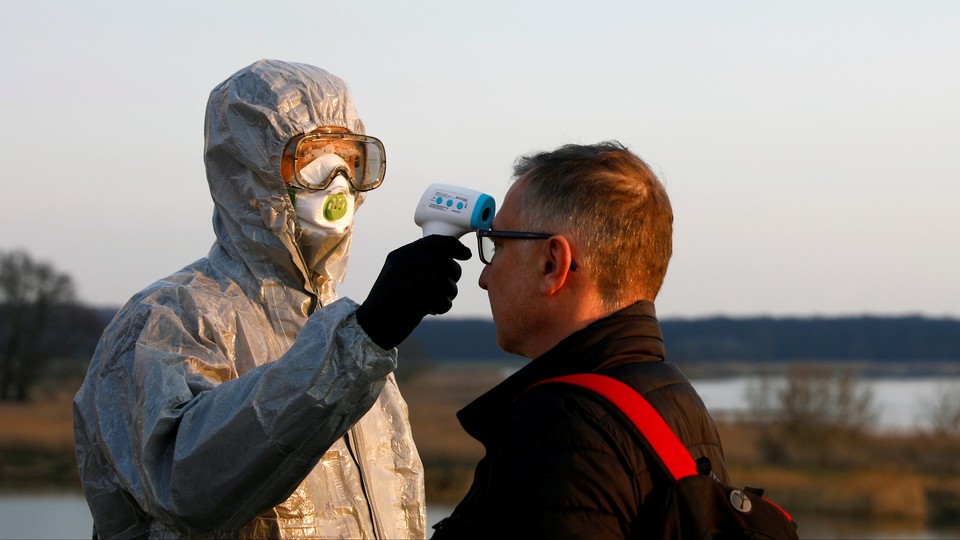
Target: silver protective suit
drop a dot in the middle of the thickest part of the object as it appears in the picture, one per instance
(223, 401)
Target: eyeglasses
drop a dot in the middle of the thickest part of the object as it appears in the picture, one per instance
(359, 158)
(487, 247)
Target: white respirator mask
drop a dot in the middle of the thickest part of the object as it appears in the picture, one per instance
(329, 210)
(326, 216)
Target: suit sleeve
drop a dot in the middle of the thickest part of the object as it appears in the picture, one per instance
(203, 448)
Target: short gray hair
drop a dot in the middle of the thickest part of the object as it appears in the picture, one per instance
(607, 200)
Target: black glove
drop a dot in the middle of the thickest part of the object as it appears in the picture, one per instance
(417, 279)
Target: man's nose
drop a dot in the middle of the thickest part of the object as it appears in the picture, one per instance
(483, 277)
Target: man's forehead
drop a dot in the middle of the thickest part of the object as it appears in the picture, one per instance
(508, 215)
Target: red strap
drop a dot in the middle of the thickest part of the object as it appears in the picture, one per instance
(655, 430)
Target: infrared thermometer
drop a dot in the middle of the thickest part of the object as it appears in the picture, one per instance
(453, 210)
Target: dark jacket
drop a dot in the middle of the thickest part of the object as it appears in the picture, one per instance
(560, 462)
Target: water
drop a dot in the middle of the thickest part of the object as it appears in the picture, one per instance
(66, 516)
(901, 404)
(44, 515)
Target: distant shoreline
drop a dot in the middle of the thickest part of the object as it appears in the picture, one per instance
(714, 369)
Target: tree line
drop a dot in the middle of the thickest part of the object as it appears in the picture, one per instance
(41, 321)
(757, 339)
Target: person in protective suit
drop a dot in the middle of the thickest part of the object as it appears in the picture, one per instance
(239, 397)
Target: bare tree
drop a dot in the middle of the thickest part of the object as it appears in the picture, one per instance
(31, 293)
(820, 398)
(942, 408)
(816, 414)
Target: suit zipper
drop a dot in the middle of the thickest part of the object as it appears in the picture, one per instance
(311, 286)
(355, 445)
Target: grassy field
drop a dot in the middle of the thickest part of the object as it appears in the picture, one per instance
(907, 478)
(36, 442)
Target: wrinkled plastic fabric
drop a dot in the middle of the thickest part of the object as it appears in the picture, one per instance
(216, 403)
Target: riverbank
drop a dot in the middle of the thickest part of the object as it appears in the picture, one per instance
(906, 479)
(36, 443)
(910, 479)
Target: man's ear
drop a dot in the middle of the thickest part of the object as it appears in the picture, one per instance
(555, 261)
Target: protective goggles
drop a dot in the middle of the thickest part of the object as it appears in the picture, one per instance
(359, 158)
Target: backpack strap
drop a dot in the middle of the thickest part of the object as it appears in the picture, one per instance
(660, 438)
(672, 453)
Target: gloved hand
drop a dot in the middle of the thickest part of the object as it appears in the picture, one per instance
(417, 279)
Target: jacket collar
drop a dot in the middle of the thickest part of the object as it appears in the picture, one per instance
(629, 335)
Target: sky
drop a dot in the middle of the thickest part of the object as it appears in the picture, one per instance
(811, 150)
